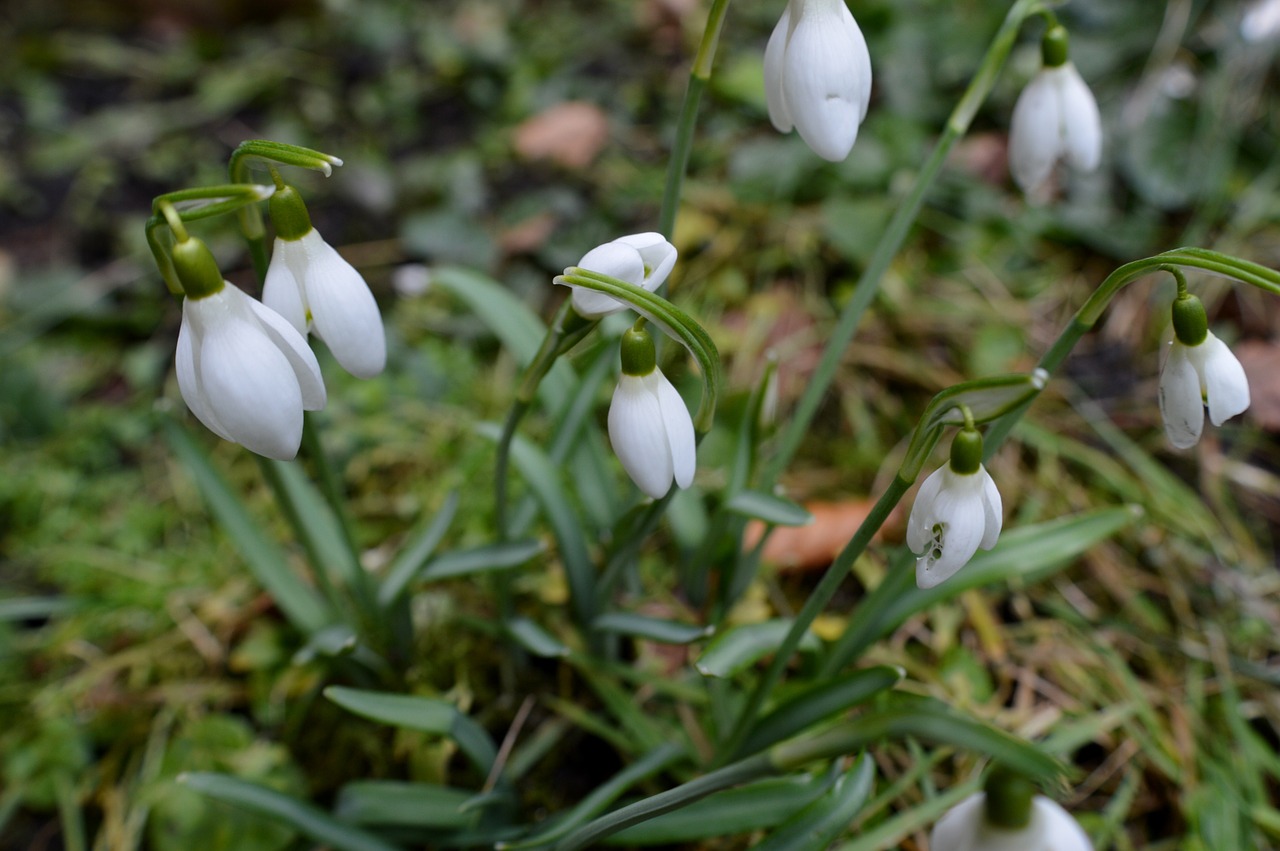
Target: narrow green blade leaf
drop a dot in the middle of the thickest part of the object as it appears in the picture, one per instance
(318, 825)
(391, 803)
(511, 321)
(543, 479)
(415, 554)
(315, 523)
(654, 629)
(605, 794)
(816, 826)
(754, 806)
(818, 702)
(33, 608)
(734, 650)
(304, 608)
(482, 559)
(535, 639)
(425, 714)
(769, 508)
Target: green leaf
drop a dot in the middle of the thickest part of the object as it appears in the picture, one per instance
(33, 608)
(535, 639)
(315, 524)
(920, 718)
(816, 826)
(425, 714)
(319, 826)
(654, 629)
(734, 650)
(771, 509)
(543, 479)
(818, 702)
(414, 555)
(511, 321)
(304, 608)
(391, 803)
(603, 795)
(758, 805)
(482, 559)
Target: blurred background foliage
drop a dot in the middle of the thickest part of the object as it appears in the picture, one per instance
(510, 136)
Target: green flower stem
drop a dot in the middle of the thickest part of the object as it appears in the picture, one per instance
(271, 474)
(813, 606)
(699, 77)
(202, 202)
(331, 487)
(896, 233)
(565, 325)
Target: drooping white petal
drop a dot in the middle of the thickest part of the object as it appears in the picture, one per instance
(954, 831)
(638, 436)
(343, 310)
(1181, 405)
(1081, 122)
(283, 289)
(920, 523)
(993, 509)
(251, 384)
(617, 260)
(1050, 828)
(1035, 133)
(960, 522)
(187, 365)
(774, 53)
(293, 346)
(658, 255)
(678, 426)
(1226, 389)
(822, 70)
(1061, 831)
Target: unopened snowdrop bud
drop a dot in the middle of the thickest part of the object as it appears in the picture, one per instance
(1200, 370)
(314, 288)
(242, 369)
(957, 510)
(1008, 816)
(1055, 118)
(817, 76)
(649, 426)
(643, 259)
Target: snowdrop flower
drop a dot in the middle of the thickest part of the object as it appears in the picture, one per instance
(643, 259)
(1199, 371)
(649, 426)
(1262, 21)
(242, 369)
(1008, 816)
(1056, 117)
(966, 828)
(310, 285)
(817, 76)
(957, 510)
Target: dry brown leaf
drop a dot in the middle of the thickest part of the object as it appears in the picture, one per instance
(800, 548)
(570, 134)
(1261, 362)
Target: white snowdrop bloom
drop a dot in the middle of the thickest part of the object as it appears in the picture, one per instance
(246, 373)
(1055, 118)
(817, 76)
(643, 259)
(954, 514)
(1261, 21)
(965, 827)
(311, 285)
(649, 426)
(1196, 376)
